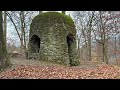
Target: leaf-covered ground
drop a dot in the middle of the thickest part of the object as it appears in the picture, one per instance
(35, 69)
(61, 72)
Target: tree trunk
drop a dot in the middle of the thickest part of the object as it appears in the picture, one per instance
(78, 47)
(89, 45)
(119, 42)
(5, 27)
(3, 51)
(103, 49)
(24, 41)
(115, 48)
(106, 53)
(105, 59)
(23, 33)
(63, 12)
(40, 12)
(89, 37)
(103, 40)
(86, 45)
(22, 30)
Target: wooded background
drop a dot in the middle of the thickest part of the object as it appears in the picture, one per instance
(98, 33)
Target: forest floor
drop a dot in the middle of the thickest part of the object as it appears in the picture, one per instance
(34, 69)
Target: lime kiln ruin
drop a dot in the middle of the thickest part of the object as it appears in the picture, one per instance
(53, 38)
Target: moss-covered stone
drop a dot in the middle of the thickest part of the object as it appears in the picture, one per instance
(53, 38)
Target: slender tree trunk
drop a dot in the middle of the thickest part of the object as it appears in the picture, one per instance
(103, 39)
(89, 44)
(89, 37)
(24, 41)
(115, 48)
(40, 12)
(5, 27)
(81, 54)
(106, 53)
(103, 49)
(22, 30)
(119, 44)
(86, 45)
(78, 47)
(99, 51)
(103, 45)
(3, 51)
(119, 41)
(86, 50)
(63, 12)
(23, 33)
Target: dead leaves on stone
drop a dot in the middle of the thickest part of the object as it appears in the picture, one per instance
(61, 72)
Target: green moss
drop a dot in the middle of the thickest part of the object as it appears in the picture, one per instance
(54, 17)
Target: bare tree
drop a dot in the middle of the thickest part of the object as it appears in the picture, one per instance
(89, 34)
(96, 29)
(105, 30)
(84, 29)
(21, 21)
(101, 31)
(5, 27)
(81, 31)
(3, 52)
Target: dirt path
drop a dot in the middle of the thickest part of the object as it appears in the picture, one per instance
(24, 61)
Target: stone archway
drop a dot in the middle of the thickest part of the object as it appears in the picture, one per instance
(70, 40)
(35, 44)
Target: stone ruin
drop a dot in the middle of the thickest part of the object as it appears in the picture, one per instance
(52, 38)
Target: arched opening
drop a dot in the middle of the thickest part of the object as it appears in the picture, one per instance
(35, 44)
(70, 40)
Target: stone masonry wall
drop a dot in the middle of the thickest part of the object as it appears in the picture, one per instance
(53, 28)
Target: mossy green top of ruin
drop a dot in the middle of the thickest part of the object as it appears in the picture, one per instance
(54, 17)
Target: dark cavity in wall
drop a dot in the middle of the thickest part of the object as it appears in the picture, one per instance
(35, 44)
(70, 40)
